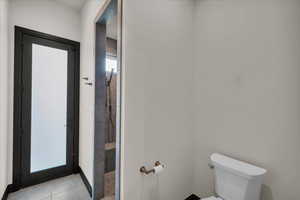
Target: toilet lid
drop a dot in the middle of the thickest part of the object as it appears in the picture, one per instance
(212, 198)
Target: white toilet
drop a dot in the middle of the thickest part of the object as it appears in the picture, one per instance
(235, 180)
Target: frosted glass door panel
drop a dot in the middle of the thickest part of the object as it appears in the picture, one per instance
(49, 108)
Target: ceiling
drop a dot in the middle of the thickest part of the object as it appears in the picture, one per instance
(76, 4)
(112, 31)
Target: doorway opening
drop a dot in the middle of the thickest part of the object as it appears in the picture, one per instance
(107, 102)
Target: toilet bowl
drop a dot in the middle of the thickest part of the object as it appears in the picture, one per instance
(235, 180)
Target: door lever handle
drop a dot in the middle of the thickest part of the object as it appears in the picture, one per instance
(90, 84)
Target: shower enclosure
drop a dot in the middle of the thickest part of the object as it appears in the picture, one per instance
(107, 83)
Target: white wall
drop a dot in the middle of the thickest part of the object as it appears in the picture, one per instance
(44, 16)
(158, 96)
(243, 89)
(3, 94)
(247, 90)
(87, 93)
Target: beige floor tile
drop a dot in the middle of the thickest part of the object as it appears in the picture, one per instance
(67, 188)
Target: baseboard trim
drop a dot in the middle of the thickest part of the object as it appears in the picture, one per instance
(9, 189)
(85, 181)
(5, 195)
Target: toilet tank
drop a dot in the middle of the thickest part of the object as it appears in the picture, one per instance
(236, 180)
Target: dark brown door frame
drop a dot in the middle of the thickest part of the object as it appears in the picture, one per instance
(20, 34)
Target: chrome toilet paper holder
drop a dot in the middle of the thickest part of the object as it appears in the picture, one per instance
(144, 170)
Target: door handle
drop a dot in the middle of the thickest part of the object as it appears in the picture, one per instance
(90, 84)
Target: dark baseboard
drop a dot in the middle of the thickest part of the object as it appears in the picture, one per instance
(85, 181)
(193, 197)
(9, 189)
(5, 195)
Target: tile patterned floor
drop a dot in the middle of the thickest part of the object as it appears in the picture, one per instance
(67, 188)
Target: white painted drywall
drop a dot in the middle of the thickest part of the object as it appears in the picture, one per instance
(76, 4)
(44, 16)
(158, 96)
(87, 93)
(247, 81)
(245, 84)
(3, 94)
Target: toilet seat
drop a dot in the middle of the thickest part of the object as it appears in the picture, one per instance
(212, 198)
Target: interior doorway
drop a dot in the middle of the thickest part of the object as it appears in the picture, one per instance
(46, 103)
(107, 102)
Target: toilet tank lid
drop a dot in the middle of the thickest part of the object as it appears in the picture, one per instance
(237, 166)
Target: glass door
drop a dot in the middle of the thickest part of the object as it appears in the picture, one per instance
(48, 109)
